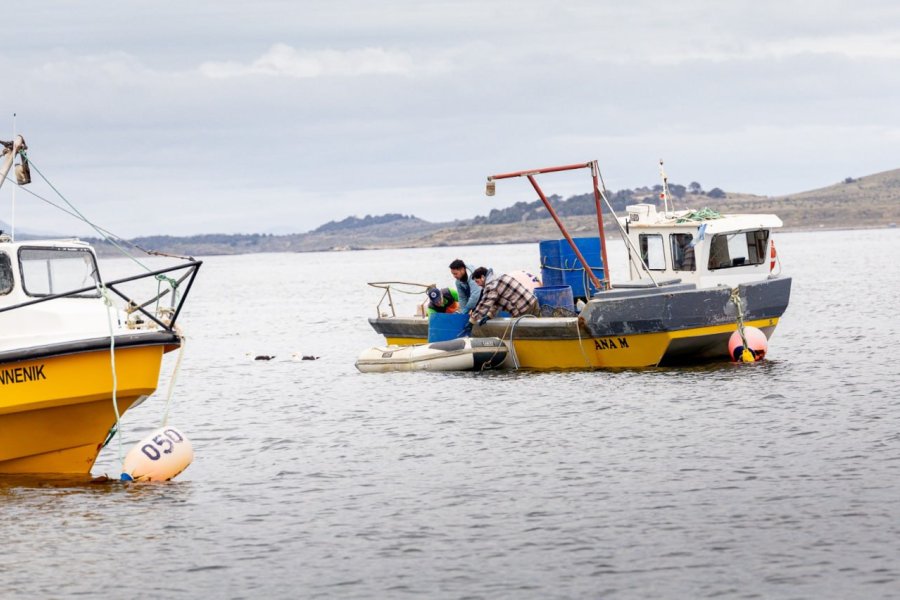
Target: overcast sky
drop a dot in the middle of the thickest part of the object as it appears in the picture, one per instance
(182, 117)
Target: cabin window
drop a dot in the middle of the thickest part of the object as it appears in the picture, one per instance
(728, 250)
(6, 274)
(683, 252)
(652, 251)
(49, 271)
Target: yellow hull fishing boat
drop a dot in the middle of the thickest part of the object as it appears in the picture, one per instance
(76, 351)
(695, 277)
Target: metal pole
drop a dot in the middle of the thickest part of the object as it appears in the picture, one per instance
(595, 174)
(12, 220)
(539, 171)
(562, 229)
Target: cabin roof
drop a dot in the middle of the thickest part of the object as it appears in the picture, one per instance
(645, 216)
(11, 246)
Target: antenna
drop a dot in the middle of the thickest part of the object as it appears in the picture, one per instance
(12, 220)
(665, 194)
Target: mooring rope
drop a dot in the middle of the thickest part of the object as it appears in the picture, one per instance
(747, 354)
(112, 360)
(512, 331)
(587, 361)
(81, 216)
(107, 236)
(183, 339)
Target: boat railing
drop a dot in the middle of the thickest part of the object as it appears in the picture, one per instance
(180, 286)
(388, 286)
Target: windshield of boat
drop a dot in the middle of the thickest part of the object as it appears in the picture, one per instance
(738, 249)
(683, 252)
(652, 251)
(50, 271)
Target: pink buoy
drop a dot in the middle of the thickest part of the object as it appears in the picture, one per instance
(527, 279)
(158, 457)
(757, 344)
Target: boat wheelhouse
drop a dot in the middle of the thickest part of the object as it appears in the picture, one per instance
(701, 247)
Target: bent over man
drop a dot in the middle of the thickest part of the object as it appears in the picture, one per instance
(501, 292)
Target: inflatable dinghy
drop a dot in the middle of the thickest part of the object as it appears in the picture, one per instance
(461, 354)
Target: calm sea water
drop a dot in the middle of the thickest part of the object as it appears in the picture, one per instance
(773, 480)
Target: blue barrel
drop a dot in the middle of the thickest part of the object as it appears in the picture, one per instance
(551, 274)
(576, 273)
(560, 265)
(446, 326)
(555, 296)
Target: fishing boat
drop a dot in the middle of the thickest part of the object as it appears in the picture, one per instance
(461, 354)
(694, 278)
(76, 350)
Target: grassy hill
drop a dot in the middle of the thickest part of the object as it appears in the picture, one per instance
(870, 201)
(867, 202)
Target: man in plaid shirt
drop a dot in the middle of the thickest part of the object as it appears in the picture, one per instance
(501, 293)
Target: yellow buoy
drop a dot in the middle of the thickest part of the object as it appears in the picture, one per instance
(158, 457)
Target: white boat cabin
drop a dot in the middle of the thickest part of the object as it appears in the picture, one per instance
(35, 270)
(700, 247)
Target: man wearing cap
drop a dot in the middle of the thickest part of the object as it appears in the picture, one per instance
(441, 300)
(467, 290)
(501, 292)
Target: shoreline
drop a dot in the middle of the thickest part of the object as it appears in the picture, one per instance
(468, 243)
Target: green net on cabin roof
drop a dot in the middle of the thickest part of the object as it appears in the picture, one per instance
(704, 214)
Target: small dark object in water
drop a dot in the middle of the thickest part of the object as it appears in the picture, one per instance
(309, 357)
(264, 357)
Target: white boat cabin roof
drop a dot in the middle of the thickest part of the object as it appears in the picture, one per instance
(8, 245)
(646, 216)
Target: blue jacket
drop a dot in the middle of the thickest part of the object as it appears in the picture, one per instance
(469, 294)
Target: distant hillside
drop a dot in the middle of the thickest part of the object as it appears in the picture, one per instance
(584, 204)
(864, 202)
(853, 203)
(345, 235)
(368, 221)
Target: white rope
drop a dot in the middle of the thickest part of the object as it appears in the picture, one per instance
(512, 343)
(587, 362)
(183, 339)
(112, 359)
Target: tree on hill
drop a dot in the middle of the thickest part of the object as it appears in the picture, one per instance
(716, 193)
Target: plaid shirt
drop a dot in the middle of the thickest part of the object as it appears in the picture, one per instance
(504, 293)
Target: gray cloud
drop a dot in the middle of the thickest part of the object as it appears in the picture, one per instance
(173, 118)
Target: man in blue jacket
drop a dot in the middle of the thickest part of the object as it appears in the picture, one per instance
(469, 292)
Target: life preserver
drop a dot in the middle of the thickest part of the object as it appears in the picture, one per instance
(772, 257)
